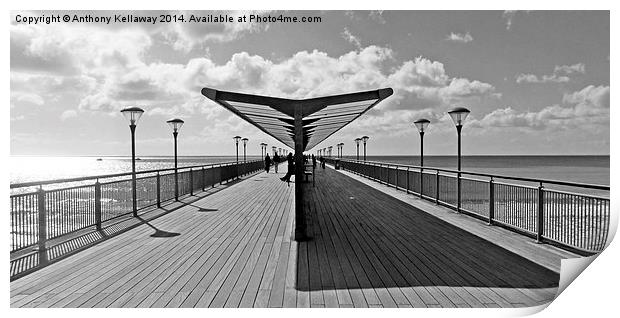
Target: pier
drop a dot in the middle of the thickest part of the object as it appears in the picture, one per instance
(233, 246)
(357, 234)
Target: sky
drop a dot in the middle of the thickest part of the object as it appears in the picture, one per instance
(536, 82)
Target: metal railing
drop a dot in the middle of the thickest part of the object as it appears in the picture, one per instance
(44, 210)
(548, 210)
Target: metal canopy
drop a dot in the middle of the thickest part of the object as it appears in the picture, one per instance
(320, 117)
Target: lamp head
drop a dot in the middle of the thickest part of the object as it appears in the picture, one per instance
(458, 115)
(132, 114)
(422, 124)
(175, 124)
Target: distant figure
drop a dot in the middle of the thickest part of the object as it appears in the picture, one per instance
(313, 162)
(291, 169)
(276, 162)
(267, 163)
(322, 160)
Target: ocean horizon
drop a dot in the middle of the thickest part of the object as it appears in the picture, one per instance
(592, 169)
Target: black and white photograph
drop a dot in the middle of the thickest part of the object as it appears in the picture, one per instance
(307, 158)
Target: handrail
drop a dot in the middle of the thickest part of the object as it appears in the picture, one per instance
(482, 174)
(116, 175)
(44, 214)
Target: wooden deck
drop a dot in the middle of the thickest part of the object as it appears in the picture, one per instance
(233, 248)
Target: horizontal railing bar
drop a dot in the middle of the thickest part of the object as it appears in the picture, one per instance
(78, 179)
(516, 185)
(481, 174)
(590, 196)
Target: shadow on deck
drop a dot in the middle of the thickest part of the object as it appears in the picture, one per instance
(363, 238)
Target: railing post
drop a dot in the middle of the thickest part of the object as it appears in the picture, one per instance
(458, 192)
(42, 227)
(407, 183)
(98, 205)
(191, 181)
(396, 174)
(540, 215)
(158, 185)
(491, 201)
(204, 178)
(437, 187)
(421, 183)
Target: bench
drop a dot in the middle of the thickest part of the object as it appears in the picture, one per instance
(307, 174)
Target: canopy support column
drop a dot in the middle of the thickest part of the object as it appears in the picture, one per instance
(300, 218)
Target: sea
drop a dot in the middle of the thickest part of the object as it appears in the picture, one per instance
(581, 169)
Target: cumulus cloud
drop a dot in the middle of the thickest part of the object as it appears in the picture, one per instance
(460, 37)
(584, 108)
(419, 83)
(561, 74)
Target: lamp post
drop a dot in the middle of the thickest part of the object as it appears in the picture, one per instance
(458, 115)
(175, 124)
(421, 124)
(365, 139)
(357, 143)
(237, 138)
(245, 142)
(133, 114)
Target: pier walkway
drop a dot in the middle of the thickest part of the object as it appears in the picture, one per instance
(234, 248)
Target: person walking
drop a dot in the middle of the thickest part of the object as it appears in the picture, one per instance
(267, 163)
(313, 162)
(291, 169)
(276, 162)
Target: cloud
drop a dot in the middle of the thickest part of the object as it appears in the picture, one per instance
(346, 34)
(172, 88)
(377, 16)
(459, 37)
(561, 74)
(67, 114)
(531, 78)
(418, 84)
(578, 68)
(106, 69)
(582, 109)
(590, 100)
(20, 97)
